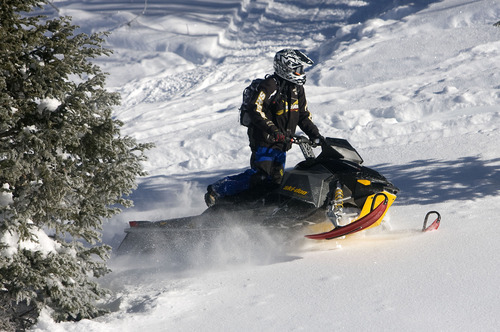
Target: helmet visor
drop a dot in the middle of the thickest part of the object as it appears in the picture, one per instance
(303, 58)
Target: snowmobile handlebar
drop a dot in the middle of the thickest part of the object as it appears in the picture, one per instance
(299, 139)
(304, 140)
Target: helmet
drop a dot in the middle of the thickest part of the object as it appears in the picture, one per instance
(289, 64)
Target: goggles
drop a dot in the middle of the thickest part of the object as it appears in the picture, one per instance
(299, 70)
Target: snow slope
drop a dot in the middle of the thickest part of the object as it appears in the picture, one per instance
(413, 85)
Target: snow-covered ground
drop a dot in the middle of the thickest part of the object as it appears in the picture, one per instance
(413, 85)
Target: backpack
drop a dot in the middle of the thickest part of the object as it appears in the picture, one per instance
(249, 94)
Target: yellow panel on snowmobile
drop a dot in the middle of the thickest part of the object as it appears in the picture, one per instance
(368, 206)
(365, 182)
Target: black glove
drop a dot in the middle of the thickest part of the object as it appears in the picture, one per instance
(317, 140)
(279, 137)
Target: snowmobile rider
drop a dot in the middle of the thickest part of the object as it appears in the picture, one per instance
(275, 111)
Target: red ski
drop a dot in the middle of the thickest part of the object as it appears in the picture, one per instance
(434, 225)
(355, 226)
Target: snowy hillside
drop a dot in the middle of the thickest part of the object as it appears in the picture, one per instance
(413, 85)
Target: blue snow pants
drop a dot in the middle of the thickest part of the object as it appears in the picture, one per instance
(267, 165)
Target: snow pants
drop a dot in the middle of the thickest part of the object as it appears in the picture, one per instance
(267, 166)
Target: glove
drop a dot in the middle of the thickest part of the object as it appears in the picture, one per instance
(279, 137)
(317, 140)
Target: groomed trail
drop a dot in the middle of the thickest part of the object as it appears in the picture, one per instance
(412, 85)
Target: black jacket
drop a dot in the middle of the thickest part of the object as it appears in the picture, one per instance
(279, 106)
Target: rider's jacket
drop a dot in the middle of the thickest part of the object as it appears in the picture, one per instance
(278, 106)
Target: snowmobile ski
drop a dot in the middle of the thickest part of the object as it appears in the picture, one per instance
(356, 226)
(434, 225)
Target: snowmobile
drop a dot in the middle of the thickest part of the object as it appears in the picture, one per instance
(323, 197)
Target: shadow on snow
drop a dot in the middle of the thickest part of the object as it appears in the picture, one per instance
(436, 181)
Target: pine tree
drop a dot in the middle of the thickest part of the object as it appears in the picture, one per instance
(64, 166)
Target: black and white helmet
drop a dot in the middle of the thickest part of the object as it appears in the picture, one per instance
(289, 64)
